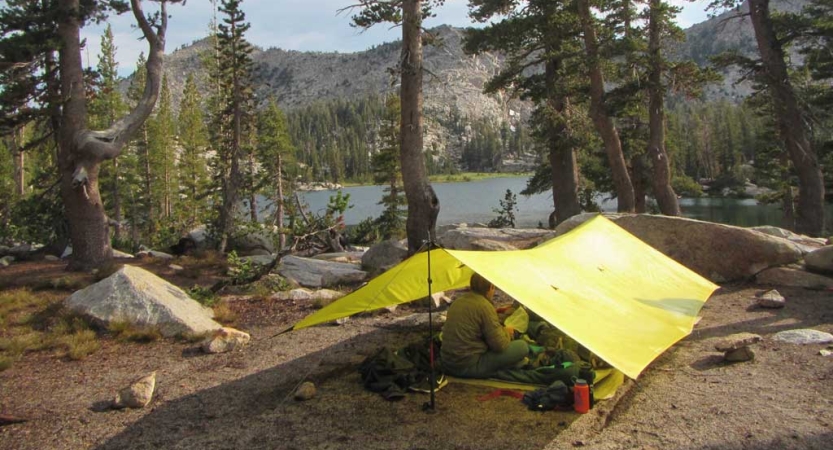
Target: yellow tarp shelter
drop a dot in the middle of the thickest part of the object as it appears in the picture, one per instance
(619, 297)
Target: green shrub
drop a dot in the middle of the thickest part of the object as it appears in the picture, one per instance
(203, 295)
(80, 345)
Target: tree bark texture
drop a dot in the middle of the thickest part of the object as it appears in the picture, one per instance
(279, 205)
(15, 144)
(663, 192)
(601, 120)
(562, 157)
(80, 150)
(423, 204)
(809, 214)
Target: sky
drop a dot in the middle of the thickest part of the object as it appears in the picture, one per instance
(304, 25)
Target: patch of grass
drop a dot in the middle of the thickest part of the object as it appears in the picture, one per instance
(224, 314)
(67, 283)
(15, 301)
(79, 345)
(128, 332)
(20, 344)
(204, 295)
(5, 363)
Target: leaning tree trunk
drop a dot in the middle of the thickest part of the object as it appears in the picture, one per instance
(562, 155)
(601, 120)
(16, 147)
(792, 127)
(663, 192)
(279, 201)
(423, 204)
(81, 151)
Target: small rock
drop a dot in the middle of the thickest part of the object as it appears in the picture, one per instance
(803, 336)
(225, 340)
(324, 297)
(825, 352)
(771, 300)
(295, 294)
(6, 260)
(736, 342)
(51, 258)
(176, 267)
(138, 394)
(739, 355)
(305, 391)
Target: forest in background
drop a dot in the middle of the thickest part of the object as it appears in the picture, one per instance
(187, 158)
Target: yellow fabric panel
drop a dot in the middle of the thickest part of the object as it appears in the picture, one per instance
(623, 300)
(405, 282)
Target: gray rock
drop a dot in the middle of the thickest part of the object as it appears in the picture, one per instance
(51, 258)
(825, 352)
(803, 336)
(67, 252)
(384, 255)
(138, 394)
(470, 238)
(736, 341)
(295, 294)
(805, 243)
(154, 254)
(820, 260)
(718, 252)
(793, 277)
(772, 300)
(139, 297)
(176, 267)
(6, 260)
(317, 274)
(324, 297)
(261, 260)
(348, 257)
(116, 253)
(255, 240)
(225, 340)
(306, 391)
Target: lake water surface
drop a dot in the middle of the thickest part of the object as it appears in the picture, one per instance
(474, 201)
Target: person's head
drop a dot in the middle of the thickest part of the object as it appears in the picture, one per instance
(482, 286)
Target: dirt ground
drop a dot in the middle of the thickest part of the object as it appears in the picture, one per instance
(688, 398)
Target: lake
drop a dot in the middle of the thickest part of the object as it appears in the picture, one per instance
(474, 201)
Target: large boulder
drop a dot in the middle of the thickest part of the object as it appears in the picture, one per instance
(253, 241)
(139, 297)
(820, 260)
(316, 274)
(384, 255)
(719, 252)
(475, 238)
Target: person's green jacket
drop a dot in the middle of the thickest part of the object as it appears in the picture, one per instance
(471, 329)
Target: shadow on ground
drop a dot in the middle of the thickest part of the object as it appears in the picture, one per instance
(258, 411)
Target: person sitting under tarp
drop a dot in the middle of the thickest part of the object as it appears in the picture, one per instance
(475, 344)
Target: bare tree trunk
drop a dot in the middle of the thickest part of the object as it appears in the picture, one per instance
(562, 158)
(252, 194)
(15, 142)
(81, 150)
(116, 200)
(792, 126)
(151, 225)
(640, 190)
(279, 206)
(601, 120)
(663, 192)
(423, 204)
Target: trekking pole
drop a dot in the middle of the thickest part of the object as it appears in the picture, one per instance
(429, 407)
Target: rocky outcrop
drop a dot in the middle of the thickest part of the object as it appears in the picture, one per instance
(718, 252)
(138, 297)
(313, 273)
(805, 243)
(475, 238)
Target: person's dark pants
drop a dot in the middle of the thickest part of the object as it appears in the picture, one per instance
(491, 362)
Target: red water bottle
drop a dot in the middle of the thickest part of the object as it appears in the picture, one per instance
(581, 395)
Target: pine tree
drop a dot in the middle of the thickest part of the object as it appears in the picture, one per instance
(423, 204)
(233, 121)
(542, 34)
(275, 153)
(193, 137)
(105, 108)
(387, 172)
(161, 161)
